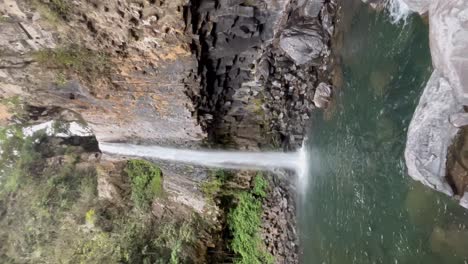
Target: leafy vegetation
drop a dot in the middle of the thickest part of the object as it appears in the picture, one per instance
(55, 215)
(244, 221)
(90, 217)
(213, 186)
(3, 18)
(53, 11)
(260, 185)
(243, 215)
(40, 199)
(146, 180)
(16, 159)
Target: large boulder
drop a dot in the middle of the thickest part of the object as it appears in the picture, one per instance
(449, 46)
(322, 95)
(303, 42)
(430, 134)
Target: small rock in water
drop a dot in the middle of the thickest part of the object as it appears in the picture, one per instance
(322, 95)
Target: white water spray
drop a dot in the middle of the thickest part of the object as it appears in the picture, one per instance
(222, 159)
(398, 10)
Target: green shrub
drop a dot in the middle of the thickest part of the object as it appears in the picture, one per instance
(260, 185)
(18, 157)
(146, 180)
(174, 236)
(244, 223)
(211, 187)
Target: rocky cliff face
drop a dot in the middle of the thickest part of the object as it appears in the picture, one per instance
(141, 98)
(263, 66)
(259, 66)
(54, 58)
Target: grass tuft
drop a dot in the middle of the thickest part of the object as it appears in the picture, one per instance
(244, 221)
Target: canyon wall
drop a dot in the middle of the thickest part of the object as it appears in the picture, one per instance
(231, 73)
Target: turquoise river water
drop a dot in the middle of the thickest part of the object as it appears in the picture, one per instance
(360, 205)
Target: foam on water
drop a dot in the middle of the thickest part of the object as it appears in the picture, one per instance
(398, 10)
(221, 159)
(302, 170)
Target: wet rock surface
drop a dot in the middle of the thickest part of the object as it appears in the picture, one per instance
(303, 42)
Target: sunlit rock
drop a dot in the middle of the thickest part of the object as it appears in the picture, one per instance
(430, 134)
(322, 95)
(448, 23)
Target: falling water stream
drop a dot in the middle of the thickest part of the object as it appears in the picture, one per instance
(210, 158)
(360, 206)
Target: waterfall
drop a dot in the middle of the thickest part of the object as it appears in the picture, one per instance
(210, 158)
